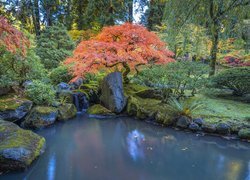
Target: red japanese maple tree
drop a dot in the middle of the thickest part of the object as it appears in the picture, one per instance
(11, 38)
(129, 44)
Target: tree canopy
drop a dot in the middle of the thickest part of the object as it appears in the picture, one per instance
(128, 44)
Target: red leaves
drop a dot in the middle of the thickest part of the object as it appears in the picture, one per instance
(128, 42)
(12, 39)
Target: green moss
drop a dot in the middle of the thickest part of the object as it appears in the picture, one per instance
(217, 109)
(130, 89)
(15, 137)
(45, 109)
(244, 133)
(10, 102)
(98, 109)
(66, 111)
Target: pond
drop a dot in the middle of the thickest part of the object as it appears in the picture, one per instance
(128, 149)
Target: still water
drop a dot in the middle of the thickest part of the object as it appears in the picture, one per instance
(127, 149)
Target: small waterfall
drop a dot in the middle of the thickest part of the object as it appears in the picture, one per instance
(80, 101)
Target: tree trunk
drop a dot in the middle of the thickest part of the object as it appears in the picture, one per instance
(125, 72)
(130, 11)
(36, 17)
(214, 49)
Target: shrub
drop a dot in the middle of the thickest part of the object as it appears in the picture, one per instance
(235, 79)
(40, 93)
(184, 107)
(16, 69)
(179, 76)
(54, 45)
(60, 74)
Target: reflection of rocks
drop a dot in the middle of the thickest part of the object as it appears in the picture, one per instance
(135, 147)
(18, 147)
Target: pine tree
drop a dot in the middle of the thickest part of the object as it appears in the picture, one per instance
(54, 45)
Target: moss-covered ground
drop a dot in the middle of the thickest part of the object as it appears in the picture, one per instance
(220, 109)
(10, 102)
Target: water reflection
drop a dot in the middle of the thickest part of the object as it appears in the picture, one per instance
(130, 149)
(135, 146)
(52, 167)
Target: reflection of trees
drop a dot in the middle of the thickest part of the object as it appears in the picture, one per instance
(132, 149)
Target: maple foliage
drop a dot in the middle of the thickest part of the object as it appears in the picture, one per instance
(128, 44)
(11, 38)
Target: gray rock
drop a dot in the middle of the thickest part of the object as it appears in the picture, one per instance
(77, 83)
(112, 95)
(40, 117)
(183, 122)
(198, 121)
(210, 128)
(18, 147)
(18, 113)
(194, 127)
(63, 87)
(223, 128)
(66, 112)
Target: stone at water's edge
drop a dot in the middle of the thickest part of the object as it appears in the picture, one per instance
(99, 110)
(244, 133)
(66, 111)
(112, 95)
(18, 147)
(40, 117)
(12, 109)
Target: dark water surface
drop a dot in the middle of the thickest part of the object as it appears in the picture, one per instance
(128, 149)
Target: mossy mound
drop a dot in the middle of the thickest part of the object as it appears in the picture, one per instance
(66, 111)
(216, 110)
(244, 133)
(13, 108)
(99, 110)
(147, 107)
(18, 147)
(40, 117)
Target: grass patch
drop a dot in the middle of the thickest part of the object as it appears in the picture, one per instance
(217, 109)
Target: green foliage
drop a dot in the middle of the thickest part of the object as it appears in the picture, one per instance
(40, 93)
(60, 74)
(183, 107)
(235, 79)
(54, 45)
(179, 76)
(16, 69)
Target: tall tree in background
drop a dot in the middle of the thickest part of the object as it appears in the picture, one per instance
(155, 13)
(213, 14)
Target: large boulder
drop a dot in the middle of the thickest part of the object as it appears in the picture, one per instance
(66, 111)
(40, 117)
(112, 95)
(14, 109)
(18, 147)
(223, 128)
